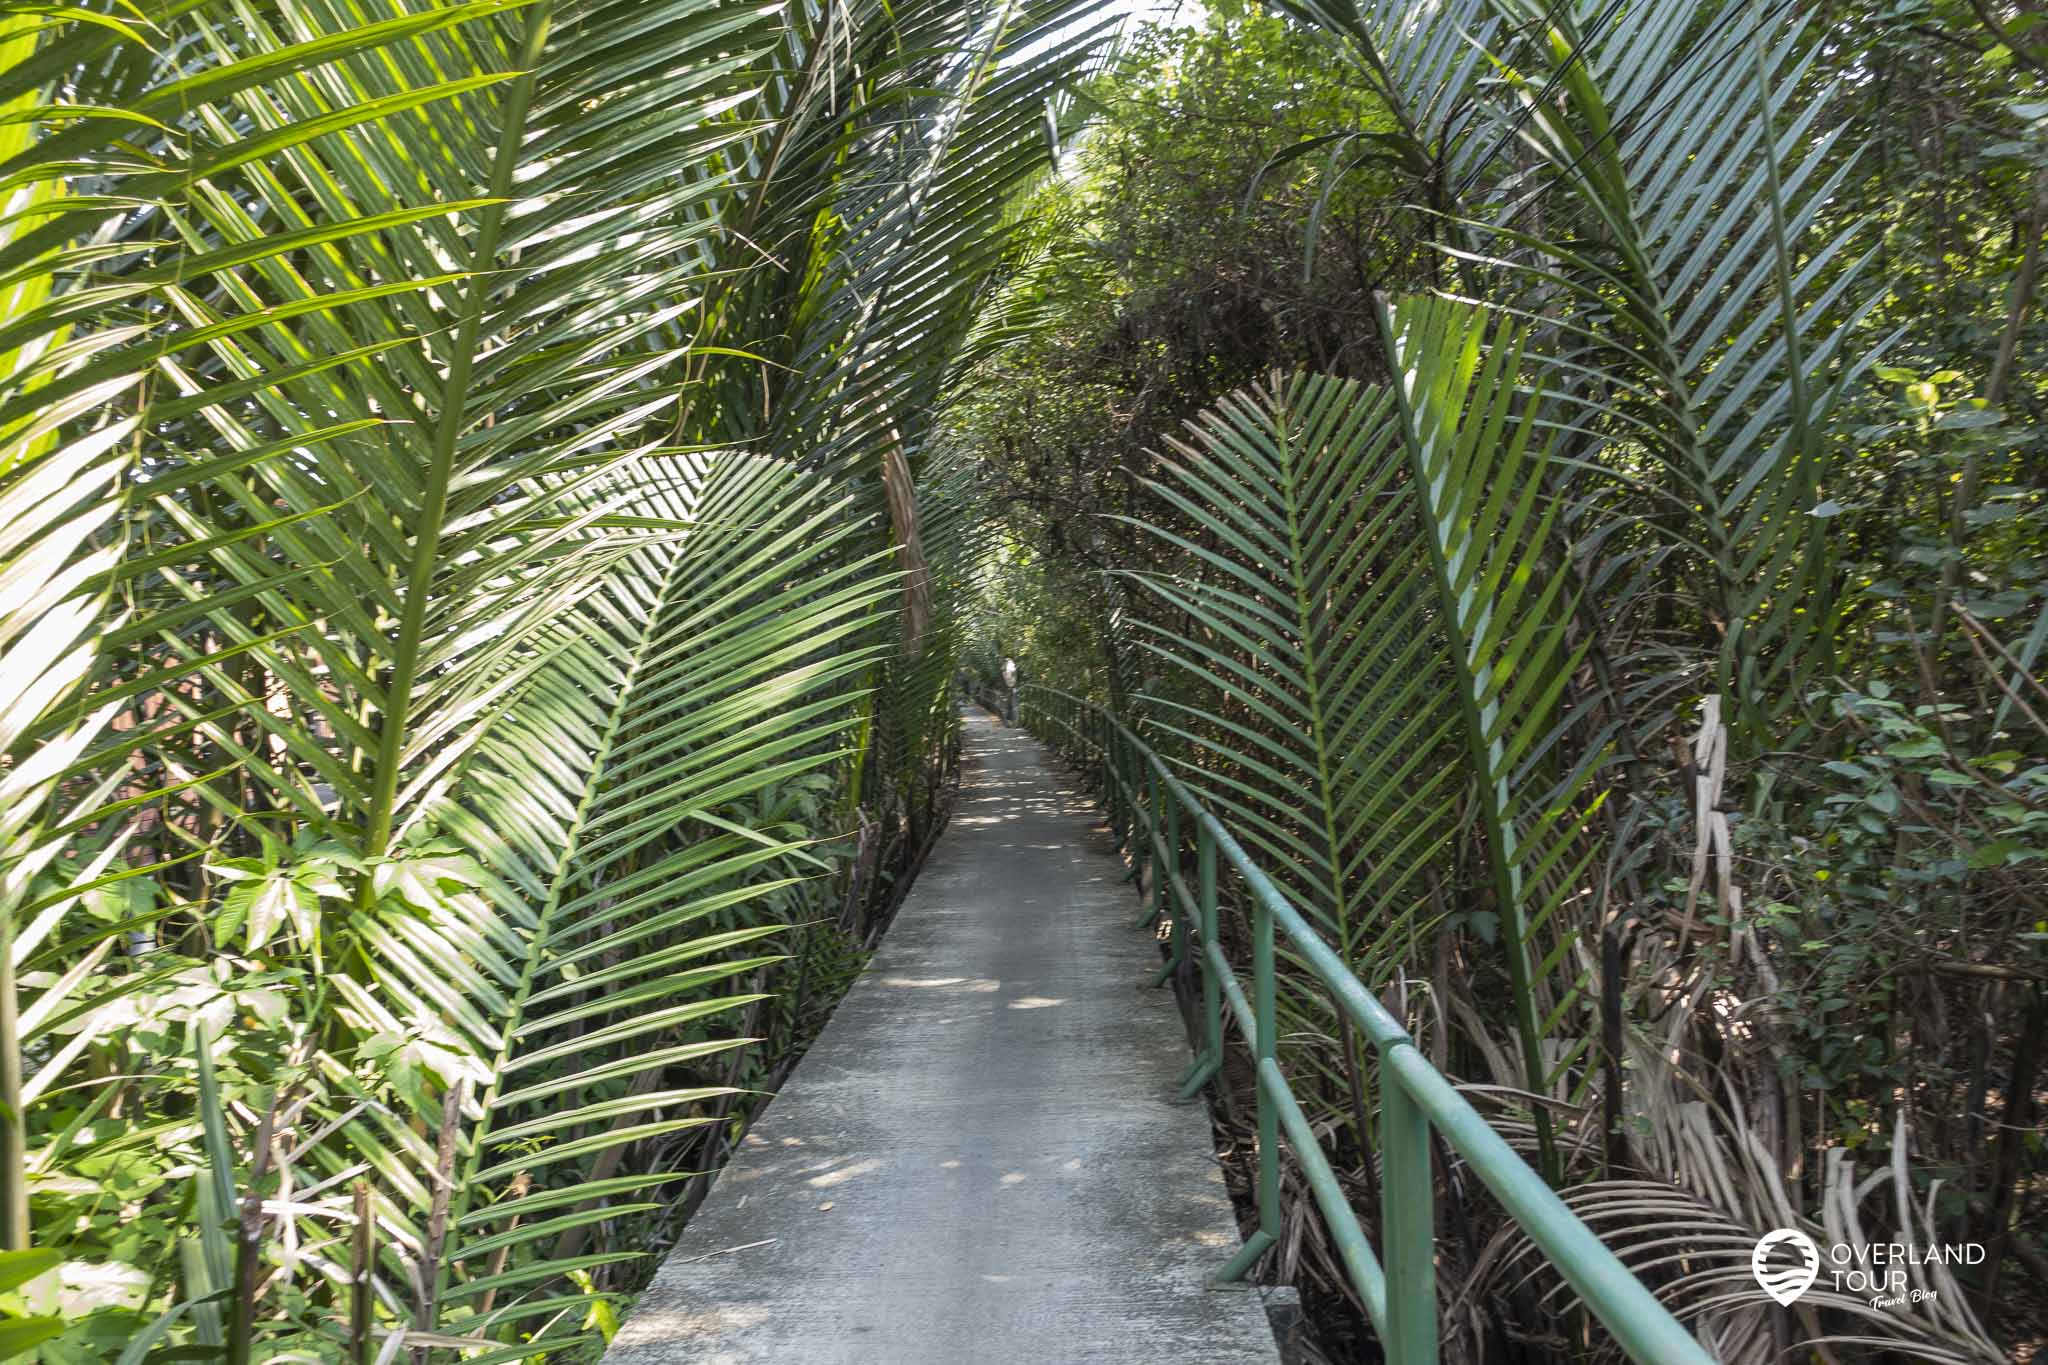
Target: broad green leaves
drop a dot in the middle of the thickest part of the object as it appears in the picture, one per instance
(1652, 184)
(1478, 449)
(445, 441)
(623, 882)
(1324, 712)
(1378, 632)
(1707, 314)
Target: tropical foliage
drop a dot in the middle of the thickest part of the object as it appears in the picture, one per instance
(1592, 548)
(494, 495)
(473, 672)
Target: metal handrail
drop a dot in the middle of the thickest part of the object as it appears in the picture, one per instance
(1415, 1097)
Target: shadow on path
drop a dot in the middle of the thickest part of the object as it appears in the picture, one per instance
(978, 1160)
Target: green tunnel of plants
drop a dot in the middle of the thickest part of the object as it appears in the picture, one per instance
(499, 499)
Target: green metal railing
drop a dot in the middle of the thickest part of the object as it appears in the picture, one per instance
(1151, 807)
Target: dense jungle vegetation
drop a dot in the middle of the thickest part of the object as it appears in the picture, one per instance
(497, 498)
(1635, 660)
(477, 639)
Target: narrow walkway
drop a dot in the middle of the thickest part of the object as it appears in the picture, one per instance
(978, 1160)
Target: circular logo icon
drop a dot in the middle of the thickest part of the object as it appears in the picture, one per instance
(1785, 1263)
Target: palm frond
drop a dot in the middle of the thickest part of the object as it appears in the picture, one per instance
(1423, 60)
(1322, 721)
(1371, 617)
(1703, 307)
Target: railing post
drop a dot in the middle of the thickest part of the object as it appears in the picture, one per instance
(1155, 833)
(1205, 893)
(1211, 1059)
(1265, 1046)
(1112, 791)
(1141, 782)
(1113, 778)
(1134, 801)
(1093, 747)
(1265, 1012)
(1117, 778)
(1159, 848)
(1408, 1228)
(1167, 811)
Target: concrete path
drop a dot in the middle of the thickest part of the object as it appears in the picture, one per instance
(978, 1160)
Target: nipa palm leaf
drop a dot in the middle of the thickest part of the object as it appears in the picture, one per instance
(625, 887)
(1371, 616)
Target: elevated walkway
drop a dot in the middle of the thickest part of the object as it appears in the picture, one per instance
(979, 1161)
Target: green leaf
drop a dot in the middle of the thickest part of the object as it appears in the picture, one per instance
(18, 1336)
(19, 1267)
(1928, 747)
